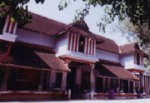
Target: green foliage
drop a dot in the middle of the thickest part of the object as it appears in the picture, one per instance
(137, 11)
(17, 9)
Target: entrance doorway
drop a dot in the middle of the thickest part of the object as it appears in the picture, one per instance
(74, 79)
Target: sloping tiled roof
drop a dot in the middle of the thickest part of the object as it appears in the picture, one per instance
(73, 27)
(128, 48)
(48, 26)
(131, 48)
(86, 33)
(52, 61)
(116, 70)
(44, 25)
(27, 58)
(81, 24)
(108, 45)
(120, 72)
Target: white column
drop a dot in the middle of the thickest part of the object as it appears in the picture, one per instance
(92, 79)
(147, 85)
(144, 79)
(86, 45)
(94, 47)
(6, 23)
(64, 79)
(118, 85)
(52, 79)
(89, 44)
(143, 84)
(129, 86)
(10, 26)
(134, 90)
(15, 28)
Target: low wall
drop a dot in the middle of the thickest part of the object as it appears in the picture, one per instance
(105, 96)
(32, 95)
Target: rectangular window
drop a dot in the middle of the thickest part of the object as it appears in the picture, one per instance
(81, 44)
(58, 80)
(138, 59)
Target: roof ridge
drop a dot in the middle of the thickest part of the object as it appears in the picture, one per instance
(43, 16)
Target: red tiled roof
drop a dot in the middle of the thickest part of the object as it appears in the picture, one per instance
(44, 25)
(52, 61)
(131, 48)
(120, 72)
(48, 26)
(116, 70)
(27, 58)
(108, 45)
(86, 33)
(82, 31)
(128, 48)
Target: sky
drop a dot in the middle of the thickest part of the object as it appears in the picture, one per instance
(50, 10)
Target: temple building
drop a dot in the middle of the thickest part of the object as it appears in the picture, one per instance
(47, 60)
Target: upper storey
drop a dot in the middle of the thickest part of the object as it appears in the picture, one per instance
(132, 57)
(76, 42)
(9, 30)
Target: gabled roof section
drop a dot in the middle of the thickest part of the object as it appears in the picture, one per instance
(44, 25)
(81, 24)
(131, 48)
(128, 48)
(80, 27)
(108, 45)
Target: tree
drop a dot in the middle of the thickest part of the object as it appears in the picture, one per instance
(137, 11)
(17, 9)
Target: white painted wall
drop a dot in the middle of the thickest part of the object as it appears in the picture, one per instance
(128, 62)
(61, 44)
(80, 56)
(34, 38)
(104, 55)
(8, 37)
(62, 50)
